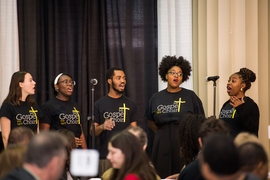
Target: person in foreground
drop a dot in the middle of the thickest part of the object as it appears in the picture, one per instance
(19, 108)
(71, 145)
(245, 137)
(188, 133)
(220, 160)
(128, 159)
(141, 135)
(14, 154)
(209, 127)
(165, 111)
(253, 159)
(240, 112)
(44, 160)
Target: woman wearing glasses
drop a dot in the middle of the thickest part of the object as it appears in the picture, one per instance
(166, 109)
(19, 108)
(61, 112)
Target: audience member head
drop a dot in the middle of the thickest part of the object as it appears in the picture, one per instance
(212, 126)
(20, 136)
(140, 134)
(253, 158)
(10, 158)
(219, 158)
(46, 154)
(71, 144)
(188, 133)
(127, 156)
(245, 137)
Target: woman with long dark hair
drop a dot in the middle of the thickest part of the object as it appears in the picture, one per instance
(19, 108)
(128, 159)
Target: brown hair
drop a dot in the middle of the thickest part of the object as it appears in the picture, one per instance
(20, 136)
(136, 160)
(10, 158)
(15, 91)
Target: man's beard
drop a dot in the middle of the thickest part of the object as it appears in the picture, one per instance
(114, 88)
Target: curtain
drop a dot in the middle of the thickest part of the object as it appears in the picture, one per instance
(9, 50)
(175, 33)
(229, 35)
(85, 38)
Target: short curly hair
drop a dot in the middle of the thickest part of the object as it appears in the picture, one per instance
(247, 76)
(169, 61)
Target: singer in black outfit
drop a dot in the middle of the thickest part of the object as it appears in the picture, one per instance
(165, 111)
(240, 112)
(113, 113)
(61, 112)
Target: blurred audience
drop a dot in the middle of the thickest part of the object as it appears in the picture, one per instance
(245, 137)
(141, 135)
(20, 136)
(12, 156)
(44, 160)
(253, 159)
(70, 146)
(188, 134)
(128, 159)
(220, 160)
(209, 127)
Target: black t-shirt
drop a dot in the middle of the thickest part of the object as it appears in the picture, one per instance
(22, 115)
(191, 171)
(123, 110)
(165, 107)
(62, 115)
(242, 118)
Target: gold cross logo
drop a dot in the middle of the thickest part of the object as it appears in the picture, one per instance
(35, 113)
(179, 102)
(124, 108)
(77, 112)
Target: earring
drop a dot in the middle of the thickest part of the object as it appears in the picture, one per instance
(56, 90)
(241, 89)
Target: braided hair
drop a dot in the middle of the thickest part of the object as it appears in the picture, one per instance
(247, 77)
(188, 133)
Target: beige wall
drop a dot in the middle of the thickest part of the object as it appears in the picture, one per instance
(229, 35)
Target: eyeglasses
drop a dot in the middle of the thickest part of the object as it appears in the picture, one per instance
(174, 73)
(66, 82)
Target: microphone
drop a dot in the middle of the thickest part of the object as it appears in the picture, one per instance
(94, 81)
(212, 78)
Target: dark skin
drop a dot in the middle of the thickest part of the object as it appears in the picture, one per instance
(173, 85)
(117, 86)
(64, 93)
(235, 89)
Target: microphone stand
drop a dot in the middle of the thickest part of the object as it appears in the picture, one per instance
(214, 85)
(92, 119)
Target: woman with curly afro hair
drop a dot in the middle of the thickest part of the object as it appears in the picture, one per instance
(166, 110)
(240, 112)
